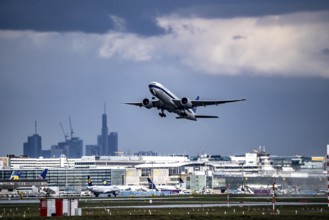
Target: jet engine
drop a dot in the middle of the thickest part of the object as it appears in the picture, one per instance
(147, 103)
(186, 102)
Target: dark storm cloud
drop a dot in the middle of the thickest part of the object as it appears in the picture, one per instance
(254, 8)
(95, 16)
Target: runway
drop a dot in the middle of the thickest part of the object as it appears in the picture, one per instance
(249, 204)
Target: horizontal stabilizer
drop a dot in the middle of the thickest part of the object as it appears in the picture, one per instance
(206, 116)
(200, 116)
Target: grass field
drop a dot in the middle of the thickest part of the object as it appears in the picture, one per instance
(121, 208)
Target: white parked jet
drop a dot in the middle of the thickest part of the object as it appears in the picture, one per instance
(184, 107)
(166, 188)
(102, 189)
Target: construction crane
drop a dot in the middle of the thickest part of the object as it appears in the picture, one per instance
(71, 129)
(64, 133)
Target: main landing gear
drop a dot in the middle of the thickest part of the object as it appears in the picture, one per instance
(162, 115)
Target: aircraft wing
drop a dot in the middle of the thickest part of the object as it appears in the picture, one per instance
(134, 103)
(155, 103)
(197, 103)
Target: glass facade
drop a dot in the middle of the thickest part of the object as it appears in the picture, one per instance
(72, 178)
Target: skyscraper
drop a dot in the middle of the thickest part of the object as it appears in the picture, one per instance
(108, 144)
(113, 143)
(104, 136)
(32, 147)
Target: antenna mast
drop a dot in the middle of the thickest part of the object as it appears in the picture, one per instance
(35, 127)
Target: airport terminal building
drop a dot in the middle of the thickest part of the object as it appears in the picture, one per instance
(212, 173)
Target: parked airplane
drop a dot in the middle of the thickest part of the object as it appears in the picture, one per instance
(127, 188)
(171, 189)
(102, 189)
(184, 107)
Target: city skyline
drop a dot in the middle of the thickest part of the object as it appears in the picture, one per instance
(61, 59)
(107, 144)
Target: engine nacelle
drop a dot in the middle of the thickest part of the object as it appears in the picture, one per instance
(147, 103)
(186, 102)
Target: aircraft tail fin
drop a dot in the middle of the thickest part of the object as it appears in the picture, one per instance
(43, 174)
(89, 181)
(194, 108)
(105, 183)
(151, 184)
(15, 175)
(180, 182)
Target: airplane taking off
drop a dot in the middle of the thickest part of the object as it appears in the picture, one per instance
(184, 107)
(102, 189)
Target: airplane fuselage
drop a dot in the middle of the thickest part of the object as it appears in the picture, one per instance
(166, 98)
(103, 189)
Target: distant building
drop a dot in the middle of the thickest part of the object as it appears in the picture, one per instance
(113, 143)
(103, 140)
(57, 151)
(71, 148)
(92, 150)
(45, 153)
(74, 147)
(32, 147)
(107, 144)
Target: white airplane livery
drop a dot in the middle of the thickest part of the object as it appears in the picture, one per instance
(102, 189)
(165, 100)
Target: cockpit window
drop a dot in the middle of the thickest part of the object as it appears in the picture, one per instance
(152, 91)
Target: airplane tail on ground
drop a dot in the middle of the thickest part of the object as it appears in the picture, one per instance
(151, 184)
(15, 175)
(180, 182)
(43, 174)
(89, 181)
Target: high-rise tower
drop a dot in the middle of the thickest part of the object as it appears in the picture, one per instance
(103, 140)
(32, 147)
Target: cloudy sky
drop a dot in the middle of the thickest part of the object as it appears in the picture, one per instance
(66, 58)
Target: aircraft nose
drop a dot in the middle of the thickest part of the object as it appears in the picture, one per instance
(152, 91)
